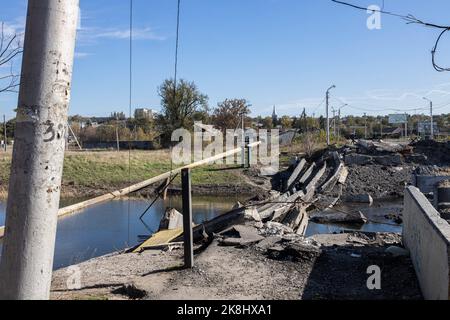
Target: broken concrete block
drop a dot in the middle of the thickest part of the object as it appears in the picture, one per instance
(171, 220)
(240, 235)
(357, 159)
(339, 217)
(344, 175)
(397, 251)
(268, 243)
(238, 205)
(360, 198)
(275, 228)
(389, 160)
(252, 214)
(294, 251)
(417, 158)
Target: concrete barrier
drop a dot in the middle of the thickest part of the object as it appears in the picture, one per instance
(427, 183)
(427, 236)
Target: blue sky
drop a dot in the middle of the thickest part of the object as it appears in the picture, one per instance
(271, 52)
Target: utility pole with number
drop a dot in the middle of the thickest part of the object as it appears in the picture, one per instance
(36, 170)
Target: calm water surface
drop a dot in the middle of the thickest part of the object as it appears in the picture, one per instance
(115, 225)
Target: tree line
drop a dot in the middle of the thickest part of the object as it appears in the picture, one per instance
(183, 103)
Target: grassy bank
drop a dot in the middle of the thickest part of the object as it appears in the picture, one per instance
(89, 173)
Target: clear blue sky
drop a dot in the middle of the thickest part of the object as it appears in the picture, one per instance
(271, 52)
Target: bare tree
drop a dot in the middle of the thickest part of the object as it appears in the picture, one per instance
(309, 143)
(228, 113)
(10, 49)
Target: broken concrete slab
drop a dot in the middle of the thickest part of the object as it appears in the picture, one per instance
(268, 242)
(359, 198)
(383, 147)
(397, 251)
(295, 174)
(356, 159)
(389, 160)
(417, 158)
(294, 251)
(329, 216)
(339, 174)
(238, 205)
(307, 174)
(171, 220)
(240, 235)
(252, 214)
(275, 229)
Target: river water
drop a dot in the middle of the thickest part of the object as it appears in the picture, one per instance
(113, 226)
(376, 214)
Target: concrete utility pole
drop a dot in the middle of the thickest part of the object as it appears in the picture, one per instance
(243, 140)
(339, 120)
(406, 126)
(35, 182)
(431, 118)
(328, 113)
(117, 134)
(334, 122)
(4, 133)
(365, 126)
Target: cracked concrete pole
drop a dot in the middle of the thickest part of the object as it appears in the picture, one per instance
(38, 156)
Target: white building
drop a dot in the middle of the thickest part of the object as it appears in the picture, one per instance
(143, 113)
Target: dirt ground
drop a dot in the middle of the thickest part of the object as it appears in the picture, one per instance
(337, 271)
(380, 182)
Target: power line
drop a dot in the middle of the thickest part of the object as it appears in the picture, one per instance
(384, 108)
(410, 19)
(319, 105)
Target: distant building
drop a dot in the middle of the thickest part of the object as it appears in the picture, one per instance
(274, 117)
(99, 121)
(143, 113)
(424, 128)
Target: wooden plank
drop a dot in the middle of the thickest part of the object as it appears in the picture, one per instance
(160, 238)
(139, 186)
(146, 183)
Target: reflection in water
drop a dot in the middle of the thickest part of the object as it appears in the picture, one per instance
(115, 225)
(375, 213)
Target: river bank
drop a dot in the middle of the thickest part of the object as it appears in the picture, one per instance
(91, 174)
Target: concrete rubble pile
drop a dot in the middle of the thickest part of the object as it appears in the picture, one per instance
(307, 192)
(372, 152)
(281, 220)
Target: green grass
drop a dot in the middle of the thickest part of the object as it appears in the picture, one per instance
(106, 170)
